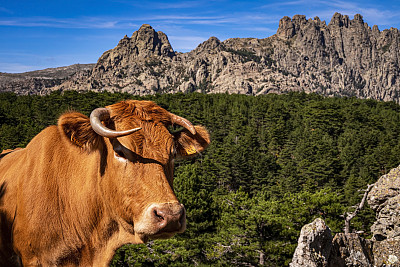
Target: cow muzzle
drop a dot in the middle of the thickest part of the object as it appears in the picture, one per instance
(169, 217)
(162, 220)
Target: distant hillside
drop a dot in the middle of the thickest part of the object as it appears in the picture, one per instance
(35, 82)
(343, 58)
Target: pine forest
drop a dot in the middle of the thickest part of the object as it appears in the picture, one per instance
(275, 163)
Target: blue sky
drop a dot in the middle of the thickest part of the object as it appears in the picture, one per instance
(43, 34)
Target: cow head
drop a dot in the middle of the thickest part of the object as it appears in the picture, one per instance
(136, 150)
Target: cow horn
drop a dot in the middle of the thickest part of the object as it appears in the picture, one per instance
(100, 114)
(175, 119)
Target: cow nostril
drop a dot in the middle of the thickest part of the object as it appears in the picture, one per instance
(168, 218)
(158, 215)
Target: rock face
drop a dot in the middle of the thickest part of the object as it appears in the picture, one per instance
(387, 252)
(317, 248)
(146, 64)
(315, 245)
(352, 250)
(343, 58)
(384, 199)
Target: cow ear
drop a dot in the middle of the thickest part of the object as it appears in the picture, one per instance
(76, 127)
(189, 145)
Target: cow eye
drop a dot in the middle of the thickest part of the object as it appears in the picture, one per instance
(119, 153)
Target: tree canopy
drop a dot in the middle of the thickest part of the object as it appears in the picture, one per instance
(275, 163)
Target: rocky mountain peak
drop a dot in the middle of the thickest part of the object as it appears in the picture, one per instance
(358, 18)
(288, 27)
(213, 44)
(146, 41)
(299, 20)
(339, 20)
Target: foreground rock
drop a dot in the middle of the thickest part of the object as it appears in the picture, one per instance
(387, 252)
(316, 247)
(350, 250)
(343, 58)
(384, 199)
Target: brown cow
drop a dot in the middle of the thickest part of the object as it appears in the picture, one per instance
(85, 187)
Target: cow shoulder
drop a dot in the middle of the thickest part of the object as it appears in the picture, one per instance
(76, 127)
(8, 151)
(188, 145)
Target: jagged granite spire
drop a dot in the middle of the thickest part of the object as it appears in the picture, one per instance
(149, 42)
(144, 43)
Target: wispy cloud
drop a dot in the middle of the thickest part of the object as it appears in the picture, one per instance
(16, 67)
(177, 5)
(185, 43)
(178, 19)
(165, 5)
(58, 22)
(108, 22)
(261, 30)
(239, 18)
(72, 23)
(284, 4)
(5, 10)
(197, 39)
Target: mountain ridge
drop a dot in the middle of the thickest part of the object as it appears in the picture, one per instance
(345, 57)
(34, 82)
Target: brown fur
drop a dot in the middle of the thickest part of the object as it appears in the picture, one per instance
(68, 199)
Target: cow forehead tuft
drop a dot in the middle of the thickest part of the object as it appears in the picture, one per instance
(139, 109)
